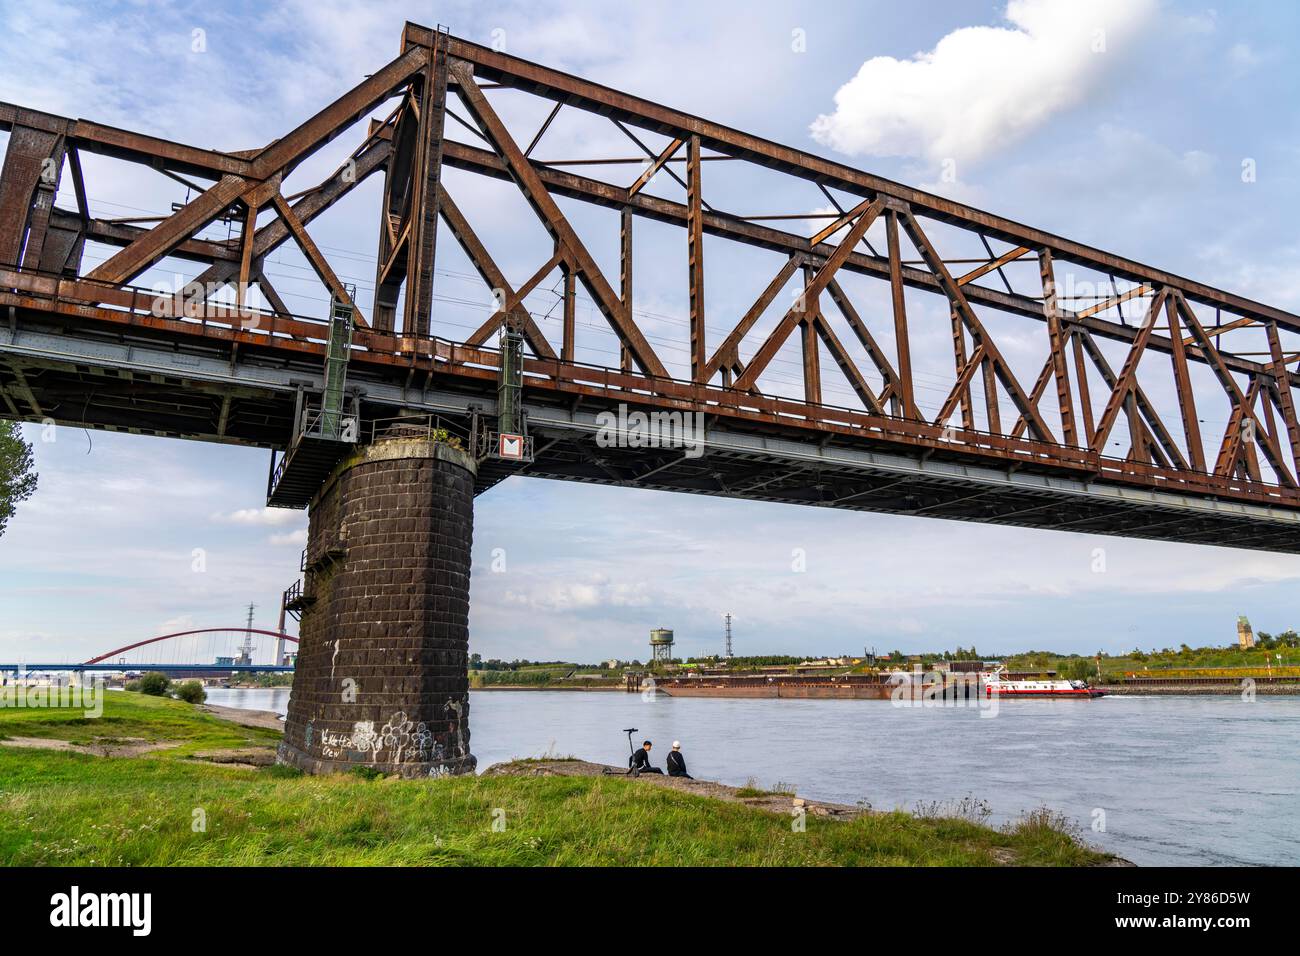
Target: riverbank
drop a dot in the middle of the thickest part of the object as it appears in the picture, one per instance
(266, 719)
(205, 797)
(1234, 688)
(561, 687)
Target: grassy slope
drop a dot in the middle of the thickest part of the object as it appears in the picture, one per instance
(70, 808)
(1169, 663)
(134, 716)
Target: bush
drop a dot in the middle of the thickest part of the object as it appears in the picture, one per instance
(969, 808)
(1077, 668)
(154, 684)
(191, 692)
(1045, 820)
(132, 685)
(445, 437)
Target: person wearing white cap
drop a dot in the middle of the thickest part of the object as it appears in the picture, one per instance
(677, 763)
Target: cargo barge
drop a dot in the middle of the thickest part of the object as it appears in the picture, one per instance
(903, 685)
(795, 686)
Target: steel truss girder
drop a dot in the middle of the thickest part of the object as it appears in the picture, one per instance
(410, 148)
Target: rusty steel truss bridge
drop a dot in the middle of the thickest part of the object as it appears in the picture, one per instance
(1084, 391)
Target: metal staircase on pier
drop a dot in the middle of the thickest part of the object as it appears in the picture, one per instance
(295, 601)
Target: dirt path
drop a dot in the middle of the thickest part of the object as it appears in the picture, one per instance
(116, 747)
(248, 758)
(784, 803)
(267, 719)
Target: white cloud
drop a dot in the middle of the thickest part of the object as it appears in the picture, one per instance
(956, 189)
(291, 537)
(1243, 58)
(1198, 23)
(564, 594)
(258, 516)
(1268, 278)
(818, 222)
(175, 625)
(981, 88)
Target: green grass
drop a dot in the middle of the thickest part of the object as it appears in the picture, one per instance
(543, 677)
(1114, 667)
(134, 716)
(61, 807)
(752, 789)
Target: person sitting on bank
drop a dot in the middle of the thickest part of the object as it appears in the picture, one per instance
(677, 763)
(641, 760)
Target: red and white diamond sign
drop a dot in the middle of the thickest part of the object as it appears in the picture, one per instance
(510, 446)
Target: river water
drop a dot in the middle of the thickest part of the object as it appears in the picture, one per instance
(1158, 780)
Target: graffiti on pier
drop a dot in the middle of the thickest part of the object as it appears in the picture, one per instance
(457, 708)
(398, 740)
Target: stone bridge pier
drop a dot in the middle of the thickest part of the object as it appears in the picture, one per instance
(381, 678)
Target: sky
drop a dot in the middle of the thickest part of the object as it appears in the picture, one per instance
(1137, 147)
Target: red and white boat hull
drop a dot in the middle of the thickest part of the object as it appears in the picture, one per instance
(1086, 692)
(996, 685)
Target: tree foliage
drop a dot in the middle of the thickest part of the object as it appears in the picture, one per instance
(17, 479)
(191, 691)
(155, 684)
(1077, 668)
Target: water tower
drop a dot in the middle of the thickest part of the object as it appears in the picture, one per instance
(661, 646)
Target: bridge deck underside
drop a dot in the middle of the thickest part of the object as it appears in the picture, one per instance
(115, 383)
(576, 457)
(91, 379)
